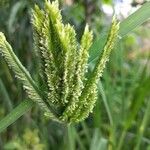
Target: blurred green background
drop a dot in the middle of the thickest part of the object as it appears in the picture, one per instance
(123, 107)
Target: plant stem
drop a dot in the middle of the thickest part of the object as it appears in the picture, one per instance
(100, 88)
(121, 139)
(71, 138)
(109, 113)
(142, 127)
(15, 114)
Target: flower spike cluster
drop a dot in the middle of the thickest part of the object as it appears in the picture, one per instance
(65, 93)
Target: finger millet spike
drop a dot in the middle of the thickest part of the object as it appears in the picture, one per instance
(65, 94)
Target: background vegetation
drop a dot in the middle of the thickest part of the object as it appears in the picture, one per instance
(121, 116)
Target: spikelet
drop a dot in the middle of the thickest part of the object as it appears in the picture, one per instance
(64, 47)
(21, 73)
(68, 96)
(89, 93)
(79, 77)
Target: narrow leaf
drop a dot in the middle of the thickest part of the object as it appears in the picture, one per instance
(126, 26)
(15, 114)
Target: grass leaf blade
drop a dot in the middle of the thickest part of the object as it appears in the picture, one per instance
(15, 114)
(126, 26)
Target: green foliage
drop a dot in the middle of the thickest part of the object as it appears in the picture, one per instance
(120, 119)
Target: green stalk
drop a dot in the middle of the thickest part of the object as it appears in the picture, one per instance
(142, 127)
(122, 139)
(108, 111)
(15, 114)
(71, 138)
(86, 131)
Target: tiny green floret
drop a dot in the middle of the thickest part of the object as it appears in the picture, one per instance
(65, 94)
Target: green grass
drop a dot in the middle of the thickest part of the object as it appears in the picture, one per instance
(121, 116)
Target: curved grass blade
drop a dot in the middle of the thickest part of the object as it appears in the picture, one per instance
(15, 114)
(126, 26)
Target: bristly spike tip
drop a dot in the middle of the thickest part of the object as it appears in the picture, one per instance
(66, 94)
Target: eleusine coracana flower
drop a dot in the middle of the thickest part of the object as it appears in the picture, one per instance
(65, 93)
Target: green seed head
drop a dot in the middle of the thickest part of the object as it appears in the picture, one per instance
(65, 93)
